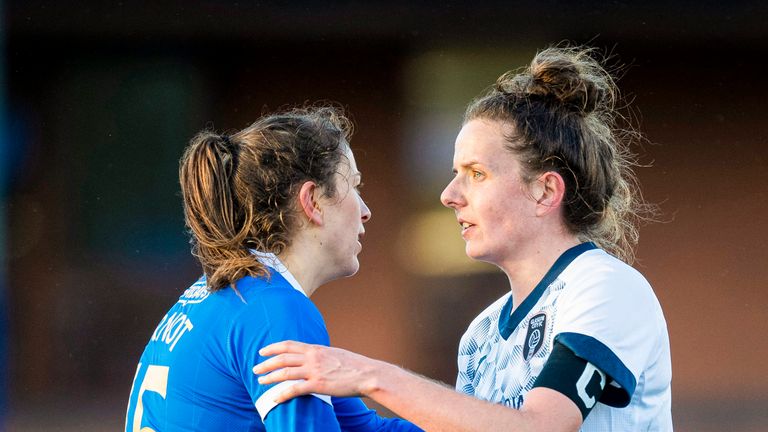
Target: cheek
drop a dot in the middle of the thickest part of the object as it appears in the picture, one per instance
(506, 210)
(352, 211)
(495, 206)
(351, 214)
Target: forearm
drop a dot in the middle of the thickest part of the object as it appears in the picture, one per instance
(426, 403)
(435, 407)
(354, 416)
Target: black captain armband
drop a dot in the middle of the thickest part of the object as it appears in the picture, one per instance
(574, 377)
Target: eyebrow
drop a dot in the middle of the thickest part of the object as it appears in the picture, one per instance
(466, 165)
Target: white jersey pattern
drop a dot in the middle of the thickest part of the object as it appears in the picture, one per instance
(601, 309)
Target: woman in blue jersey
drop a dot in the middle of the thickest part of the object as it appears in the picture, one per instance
(274, 212)
(543, 190)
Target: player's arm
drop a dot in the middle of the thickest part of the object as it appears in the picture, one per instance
(430, 405)
(305, 413)
(311, 412)
(354, 416)
(280, 313)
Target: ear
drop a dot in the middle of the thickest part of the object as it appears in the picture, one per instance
(309, 204)
(548, 191)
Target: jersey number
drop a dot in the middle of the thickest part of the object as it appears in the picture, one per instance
(155, 380)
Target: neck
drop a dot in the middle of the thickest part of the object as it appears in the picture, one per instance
(302, 260)
(527, 268)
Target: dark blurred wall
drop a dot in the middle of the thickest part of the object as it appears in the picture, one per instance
(103, 99)
(707, 260)
(98, 230)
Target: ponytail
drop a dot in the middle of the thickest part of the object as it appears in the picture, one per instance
(216, 219)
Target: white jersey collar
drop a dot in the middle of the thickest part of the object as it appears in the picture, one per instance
(271, 260)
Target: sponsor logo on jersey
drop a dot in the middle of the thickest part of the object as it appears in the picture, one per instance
(534, 339)
(195, 294)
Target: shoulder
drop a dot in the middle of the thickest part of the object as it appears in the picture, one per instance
(596, 276)
(607, 299)
(273, 310)
(249, 299)
(607, 310)
(269, 296)
(600, 265)
(608, 315)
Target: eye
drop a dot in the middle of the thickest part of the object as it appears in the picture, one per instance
(358, 187)
(477, 175)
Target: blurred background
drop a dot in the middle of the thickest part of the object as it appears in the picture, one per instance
(100, 98)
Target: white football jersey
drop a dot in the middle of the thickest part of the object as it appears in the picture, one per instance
(600, 308)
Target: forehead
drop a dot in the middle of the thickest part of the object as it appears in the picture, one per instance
(347, 161)
(481, 141)
(348, 154)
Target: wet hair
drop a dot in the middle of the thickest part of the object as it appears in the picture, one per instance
(239, 190)
(562, 109)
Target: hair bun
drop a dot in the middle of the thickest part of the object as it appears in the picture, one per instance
(570, 78)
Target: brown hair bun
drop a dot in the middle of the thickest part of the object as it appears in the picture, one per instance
(566, 77)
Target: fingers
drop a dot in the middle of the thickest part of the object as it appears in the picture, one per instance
(285, 374)
(283, 347)
(277, 362)
(298, 389)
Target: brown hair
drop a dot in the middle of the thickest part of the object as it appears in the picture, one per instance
(238, 190)
(562, 109)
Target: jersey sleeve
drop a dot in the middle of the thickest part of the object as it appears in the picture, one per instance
(608, 317)
(280, 314)
(354, 416)
(304, 413)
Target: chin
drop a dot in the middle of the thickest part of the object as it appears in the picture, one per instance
(478, 255)
(355, 269)
(473, 253)
(352, 268)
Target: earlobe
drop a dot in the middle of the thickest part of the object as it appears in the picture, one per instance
(309, 204)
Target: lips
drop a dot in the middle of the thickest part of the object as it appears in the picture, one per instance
(465, 227)
(360, 240)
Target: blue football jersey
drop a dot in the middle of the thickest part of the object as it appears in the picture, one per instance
(195, 373)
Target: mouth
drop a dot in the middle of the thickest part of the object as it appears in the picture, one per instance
(465, 226)
(360, 239)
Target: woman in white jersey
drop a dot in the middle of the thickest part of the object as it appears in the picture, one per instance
(543, 190)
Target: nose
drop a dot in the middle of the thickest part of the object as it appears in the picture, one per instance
(451, 197)
(365, 212)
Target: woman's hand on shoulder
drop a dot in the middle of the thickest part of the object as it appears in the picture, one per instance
(324, 370)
